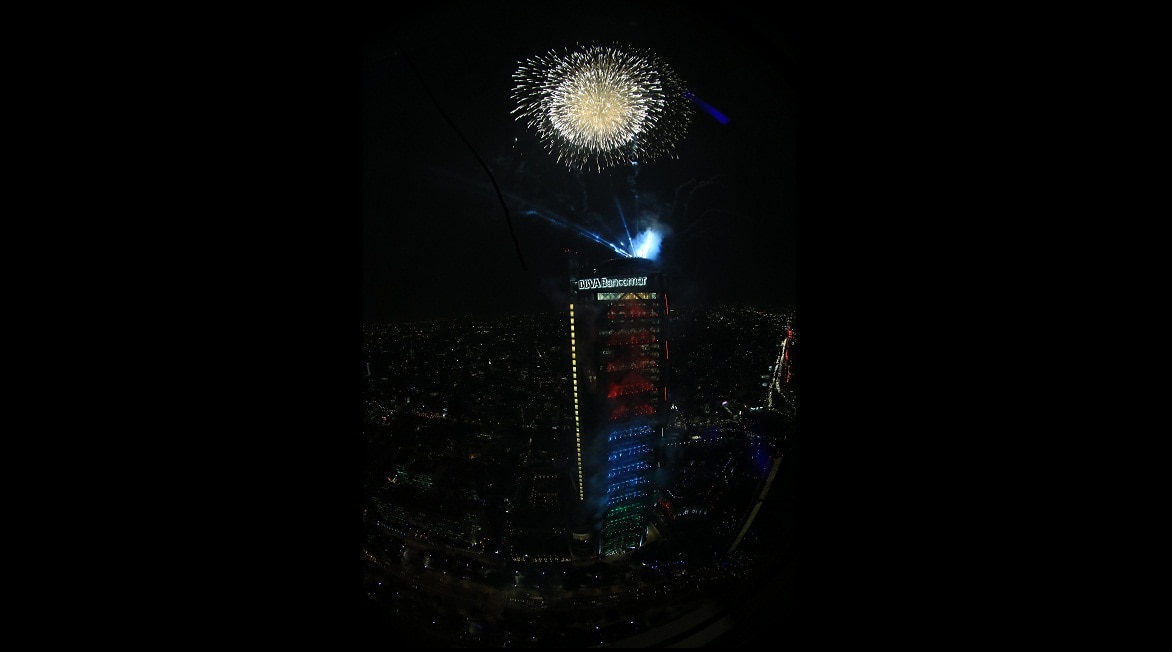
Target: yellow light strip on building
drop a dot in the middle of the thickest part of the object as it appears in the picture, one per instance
(577, 423)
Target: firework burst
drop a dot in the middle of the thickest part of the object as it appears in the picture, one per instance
(602, 106)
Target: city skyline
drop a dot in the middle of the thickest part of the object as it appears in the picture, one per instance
(468, 471)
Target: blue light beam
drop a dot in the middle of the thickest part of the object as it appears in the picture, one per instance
(720, 117)
(645, 245)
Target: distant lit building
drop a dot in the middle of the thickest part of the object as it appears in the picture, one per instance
(619, 351)
(539, 520)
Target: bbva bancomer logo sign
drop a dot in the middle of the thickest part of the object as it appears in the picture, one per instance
(604, 282)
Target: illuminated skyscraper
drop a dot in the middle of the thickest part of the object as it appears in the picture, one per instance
(619, 351)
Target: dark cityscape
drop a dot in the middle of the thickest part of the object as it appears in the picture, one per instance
(469, 479)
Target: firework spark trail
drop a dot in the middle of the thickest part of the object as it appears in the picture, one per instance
(558, 220)
(633, 189)
(645, 245)
(618, 207)
(602, 106)
(692, 185)
(559, 210)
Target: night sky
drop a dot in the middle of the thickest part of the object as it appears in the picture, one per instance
(436, 239)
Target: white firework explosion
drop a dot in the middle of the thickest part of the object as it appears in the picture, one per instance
(602, 106)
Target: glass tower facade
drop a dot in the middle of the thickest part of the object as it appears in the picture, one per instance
(619, 351)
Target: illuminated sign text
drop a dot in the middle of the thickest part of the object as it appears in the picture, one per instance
(604, 282)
